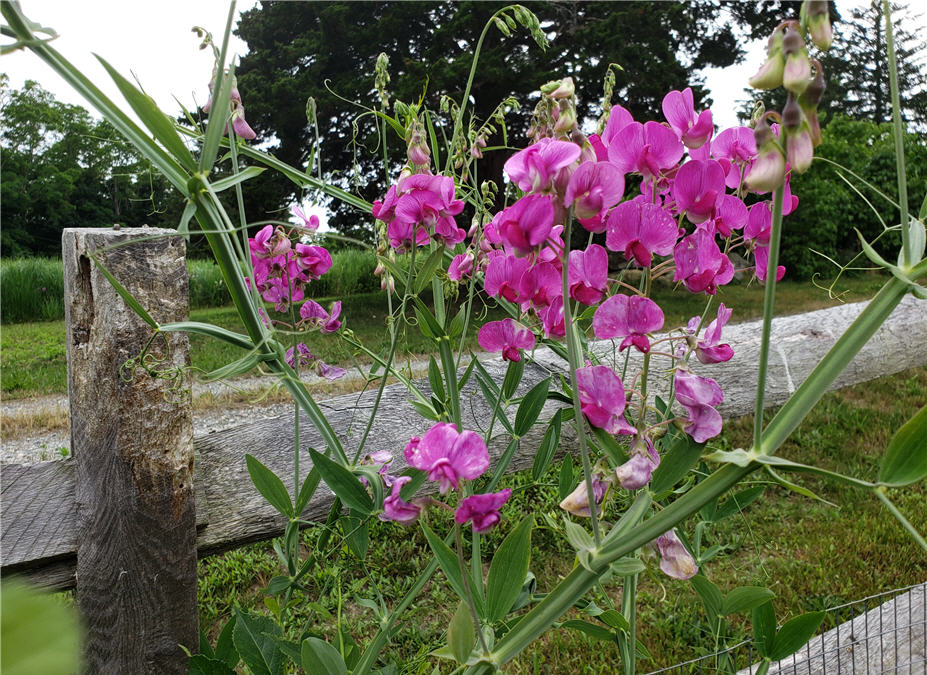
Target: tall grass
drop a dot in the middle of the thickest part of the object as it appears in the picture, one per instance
(32, 289)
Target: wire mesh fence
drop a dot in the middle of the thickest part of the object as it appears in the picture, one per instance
(882, 633)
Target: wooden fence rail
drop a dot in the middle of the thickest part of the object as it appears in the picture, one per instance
(118, 521)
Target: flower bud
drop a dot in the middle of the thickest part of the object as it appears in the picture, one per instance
(566, 121)
(815, 16)
(769, 76)
(810, 99)
(566, 89)
(768, 170)
(577, 502)
(797, 72)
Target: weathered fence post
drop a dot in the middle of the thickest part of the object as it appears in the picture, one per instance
(132, 443)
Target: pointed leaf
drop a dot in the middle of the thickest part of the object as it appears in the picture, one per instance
(682, 455)
(530, 407)
(320, 657)
(614, 619)
(254, 640)
(710, 595)
(427, 271)
(343, 483)
(427, 322)
(738, 502)
(795, 634)
(744, 599)
(237, 178)
(449, 564)
(507, 571)
(576, 534)
(764, 628)
(512, 378)
(199, 664)
(269, 485)
(565, 486)
(460, 633)
(310, 483)
(356, 535)
(905, 461)
(547, 448)
(225, 645)
(435, 379)
(591, 629)
(124, 293)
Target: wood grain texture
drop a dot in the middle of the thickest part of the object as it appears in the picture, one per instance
(133, 452)
(236, 514)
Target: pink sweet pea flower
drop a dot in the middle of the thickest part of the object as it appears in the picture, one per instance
(536, 168)
(698, 395)
(577, 502)
(310, 223)
(540, 285)
(732, 215)
(588, 274)
(708, 350)
(601, 394)
(448, 455)
(269, 242)
(315, 316)
(738, 146)
(526, 224)
(429, 201)
(396, 509)
(552, 318)
(679, 109)
(646, 149)
(700, 265)
(304, 357)
(461, 267)
(503, 276)
(314, 261)
(594, 188)
(618, 119)
(675, 560)
(507, 336)
(761, 255)
(699, 189)
(640, 229)
(758, 230)
(483, 510)
(636, 472)
(628, 317)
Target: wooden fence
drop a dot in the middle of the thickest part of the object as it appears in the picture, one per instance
(125, 519)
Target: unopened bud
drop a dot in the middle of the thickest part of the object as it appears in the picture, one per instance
(769, 76)
(768, 170)
(816, 17)
(797, 72)
(566, 89)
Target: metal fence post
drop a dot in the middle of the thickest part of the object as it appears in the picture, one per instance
(132, 441)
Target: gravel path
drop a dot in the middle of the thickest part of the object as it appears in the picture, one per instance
(42, 444)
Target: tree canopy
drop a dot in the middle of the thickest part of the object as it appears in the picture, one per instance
(328, 51)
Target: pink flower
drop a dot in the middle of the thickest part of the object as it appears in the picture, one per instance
(315, 316)
(698, 395)
(679, 109)
(738, 146)
(552, 318)
(304, 357)
(628, 317)
(448, 455)
(540, 285)
(310, 223)
(699, 189)
(507, 336)
(675, 560)
(461, 267)
(503, 276)
(577, 502)
(732, 215)
(313, 260)
(594, 188)
(395, 508)
(761, 255)
(601, 395)
(428, 201)
(618, 119)
(700, 265)
(588, 274)
(536, 168)
(758, 230)
(526, 224)
(269, 242)
(646, 149)
(708, 350)
(640, 229)
(636, 472)
(483, 510)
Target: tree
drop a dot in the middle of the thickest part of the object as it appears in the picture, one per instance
(61, 168)
(328, 51)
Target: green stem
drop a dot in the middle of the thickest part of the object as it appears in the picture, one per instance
(880, 493)
(909, 256)
(573, 358)
(768, 301)
(628, 608)
(466, 582)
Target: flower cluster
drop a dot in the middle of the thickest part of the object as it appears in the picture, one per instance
(448, 457)
(237, 111)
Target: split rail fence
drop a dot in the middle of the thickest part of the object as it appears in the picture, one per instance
(124, 521)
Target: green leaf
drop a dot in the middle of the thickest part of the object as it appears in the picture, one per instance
(460, 633)
(237, 178)
(356, 535)
(426, 410)
(738, 502)
(923, 213)
(269, 485)
(512, 378)
(576, 534)
(764, 628)
(200, 664)
(208, 330)
(609, 445)
(159, 124)
(423, 278)
(565, 486)
(547, 447)
(409, 489)
(614, 619)
(710, 595)
(343, 483)
(449, 564)
(530, 407)
(905, 461)
(682, 455)
(278, 585)
(507, 571)
(435, 380)
(183, 227)
(627, 566)
(320, 657)
(123, 292)
(744, 599)
(310, 483)
(427, 322)
(591, 629)
(245, 364)
(225, 645)
(503, 463)
(254, 639)
(795, 634)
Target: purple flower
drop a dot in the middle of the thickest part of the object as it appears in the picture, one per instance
(503, 276)
(699, 189)
(700, 265)
(594, 188)
(313, 260)
(552, 318)
(708, 350)
(395, 508)
(588, 274)
(646, 149)
(601, 395)
(675, 560)
(628, 317)
(640, 229)
(679, 109)
(536, 168)
(577, 502)
(483, 510)
(461, 267)
(310, 223)
(526, 224)
(507, 336)
(315, 316)
(635, 473)
(448, 455)
(698, 395)
(758, 231)
(269, 243)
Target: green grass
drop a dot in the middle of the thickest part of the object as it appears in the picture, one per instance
(810, 554)
(34, 361)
